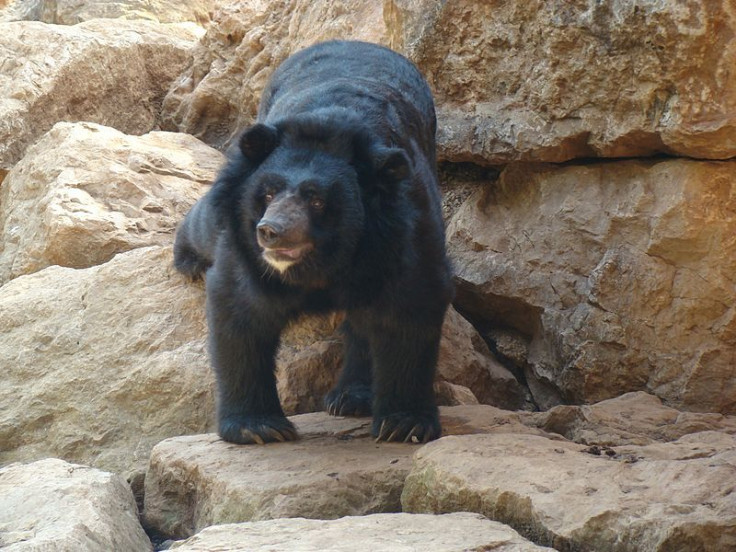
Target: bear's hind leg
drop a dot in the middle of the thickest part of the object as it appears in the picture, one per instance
(404, 407)
(352, 396)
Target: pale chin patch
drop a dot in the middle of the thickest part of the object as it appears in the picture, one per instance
(278, 264)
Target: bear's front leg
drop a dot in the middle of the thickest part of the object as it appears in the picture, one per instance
(243, 342)
(405, 358)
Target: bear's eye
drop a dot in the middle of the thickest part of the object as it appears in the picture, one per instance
(317, 204)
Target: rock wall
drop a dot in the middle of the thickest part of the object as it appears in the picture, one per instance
(588, 176)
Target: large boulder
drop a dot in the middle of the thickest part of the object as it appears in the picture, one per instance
(659, 497)
(514, 81)
(395, 532)
(54, 505)
(85, 192)
(55, 73)
(101, 364)
(219, 92)
(71, 12)
(548, 81)
(619, 275)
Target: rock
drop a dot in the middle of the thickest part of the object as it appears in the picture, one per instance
(541, 81)
(335, 470)
(219, 93)
(523, 81)
(52, 73)
(676, 496)
(53, 505)
(631, 419)
(85, 192)
(308, 362)
(466, 361)
(449, 394)
(395, 532)
(71, 12)
(101, 364)
(619, 274)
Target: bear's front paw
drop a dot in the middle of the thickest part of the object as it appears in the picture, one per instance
(409, 427)
(245, 430)
(350, 401)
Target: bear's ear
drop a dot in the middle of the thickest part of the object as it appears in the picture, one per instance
(391, 165)
(258, 142)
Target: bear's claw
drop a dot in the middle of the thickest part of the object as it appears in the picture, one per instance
(408, 428)
(260, 430)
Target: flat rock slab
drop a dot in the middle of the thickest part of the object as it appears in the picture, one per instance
(53, 505)
(676, 496)
(632, 419)
(378, 532)
(335, 470)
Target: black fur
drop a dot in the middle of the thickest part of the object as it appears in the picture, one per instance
(339, 178)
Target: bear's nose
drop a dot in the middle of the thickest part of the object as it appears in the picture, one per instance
(269, 231)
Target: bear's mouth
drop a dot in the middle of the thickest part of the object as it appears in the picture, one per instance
(282, 258)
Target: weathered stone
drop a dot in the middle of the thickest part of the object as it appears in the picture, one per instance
(394, 532)
(631, 419)
(101, 364)
(620, 274)
(524, 80)
(52, 73)
(675, 496)
(544, 81)
(85, 192)
(449, 394)
(53, 505)
(219, 93)
(308, 362)
(335, 470)
(465, 360)
(71, 12)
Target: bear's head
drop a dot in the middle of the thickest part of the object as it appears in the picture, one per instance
(315, 187)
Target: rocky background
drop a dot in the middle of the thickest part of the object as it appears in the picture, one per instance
(588, 368)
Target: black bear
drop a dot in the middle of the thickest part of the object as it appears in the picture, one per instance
(329, 202)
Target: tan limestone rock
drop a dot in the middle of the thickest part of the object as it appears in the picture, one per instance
(466, 361)
(71, 12)
(335, 470)
(394, 532)
(85, 192)
(111, 74)
(522, 80)
(620, 275)
(545, 81)
(101, 364)
(655, 498)
(54, 505)
(450, 394)
(631, 419)
(308, 362)
(219, 93)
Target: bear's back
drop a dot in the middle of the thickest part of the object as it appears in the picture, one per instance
(382, 87)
